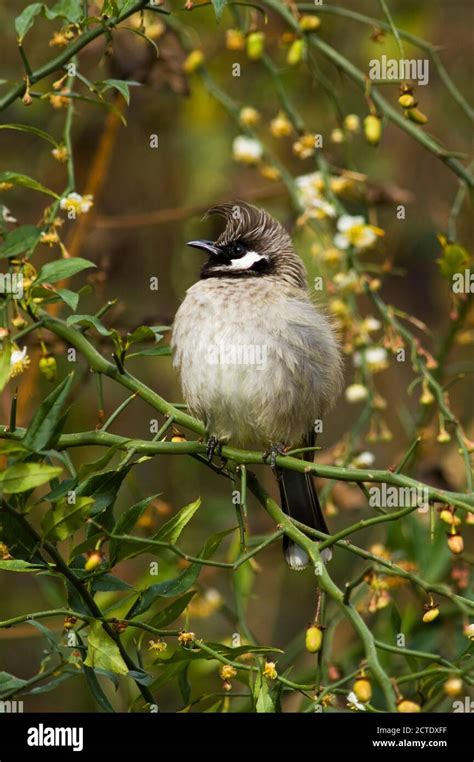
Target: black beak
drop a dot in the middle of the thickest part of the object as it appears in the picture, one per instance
(208, 246)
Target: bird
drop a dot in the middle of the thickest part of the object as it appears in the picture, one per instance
(259, 363)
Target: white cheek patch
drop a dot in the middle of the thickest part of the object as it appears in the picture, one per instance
(246, 262)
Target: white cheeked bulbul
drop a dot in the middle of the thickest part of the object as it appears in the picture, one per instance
(258, 362)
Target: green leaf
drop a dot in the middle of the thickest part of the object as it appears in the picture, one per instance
(103, 487)
(68, 297)
(263, 696)
(108, 583)
(66, 674)
(152, 352)
(15, 178)
(17, 565)
(25, 476)
(22, 240)
(120, 549)
(18, 539)
(180, 584)
(167, 589)
(5, 367)
(102, 652)
(96, 690)
(219, 6)
(167, 673)
(61, 269)
(24, 21)
(68, 9)
(50, 638)
(171, 531)
(90, 321)
(454, 260)
(10, 683)
(124, 5)
(172, 612)
(63, 519)
(87, 469)
(109, 8)
(9, 448)
(29, 128)
(142, 333)
(120, 85)
(42, 430)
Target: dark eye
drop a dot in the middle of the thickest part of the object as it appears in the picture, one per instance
(237, 249)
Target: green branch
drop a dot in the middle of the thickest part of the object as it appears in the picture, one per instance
(70, 51)
(88, 599)
(391, 113)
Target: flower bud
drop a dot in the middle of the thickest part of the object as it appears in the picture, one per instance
(469, 631)
(19, 321)
(255, 45)
(94, 559)
(352, 123)
(194, 60)
(314, 639)
(234, 39)
(430, 614)
(406, 100)
(453, 686)
(227, 672)
(270, 671)
(417, 116)
(281, 127)
(337, 136)
(69, 622)
(406, 706)
(249, 116)
(363, 689)
(449, 518)
(373, 129)
(455, 543)
(295, 53)
(309, 23)
(48, 367)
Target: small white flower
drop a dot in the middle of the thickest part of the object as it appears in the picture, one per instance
(309, 189)
(7, 215)
(376, 358)
(18, 355)
(365, 458)
(348, 281)
(354, 231)
(372, 324)
(77, 203)
(247, 150)
(19, 361)
(354, 703)
(356, 393)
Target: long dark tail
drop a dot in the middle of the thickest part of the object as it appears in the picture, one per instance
(300, 501)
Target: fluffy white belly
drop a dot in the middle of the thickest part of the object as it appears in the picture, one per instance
(254, 364)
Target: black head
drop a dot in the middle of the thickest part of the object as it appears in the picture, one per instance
(253, 244)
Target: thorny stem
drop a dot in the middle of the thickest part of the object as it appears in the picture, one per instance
(88, 599)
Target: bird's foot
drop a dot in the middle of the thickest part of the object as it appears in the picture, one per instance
(270, 455)
(213, 447)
